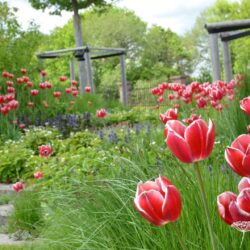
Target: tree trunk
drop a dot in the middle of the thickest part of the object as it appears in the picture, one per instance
(79, 43)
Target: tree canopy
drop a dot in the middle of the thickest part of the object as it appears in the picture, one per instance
(57, 6)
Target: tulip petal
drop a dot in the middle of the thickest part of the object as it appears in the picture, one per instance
(234, 158)
(245, 105)
(237, 213)
(246, 165)
(210, 139)
(223, 202)
(243, 200)
(150, 204)
(172, 204)
(176, 126)
(149, 185)
(241, 142)
(244, 183)
(163, 183)
(195, 135)
(179, 147)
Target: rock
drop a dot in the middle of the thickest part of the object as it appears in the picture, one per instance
(5, 240)
(6, 189)
(5, 211)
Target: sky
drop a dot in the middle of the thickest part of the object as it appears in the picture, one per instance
(178, 15)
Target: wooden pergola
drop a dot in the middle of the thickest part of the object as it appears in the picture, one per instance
(226, 31)
(87, 54)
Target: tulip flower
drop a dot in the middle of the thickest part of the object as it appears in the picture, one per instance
(45, 150)
(192, 143)
(43, 73)
(68, 90)
(34, 92)
(192, 118)
(63, 78)
(42, 85)
(30, 104)
(18, 186)
(171, 114)
(25, 79)
(23, 71)
(2, 99)
(88, 89)
(57, 94)
(244, 183)
(159, 201)
(29, 84)
(10, 84)
(5, 74)
(101, 113)
(74, 93)
(48, 85)
(238, 155)
(235, 210)
(13, 104)
(22, 126)
(38, 175)
(5, 109)
(245, 105)
(160, 99)
(74, 82)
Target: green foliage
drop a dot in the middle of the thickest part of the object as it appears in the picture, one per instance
(27, 215)
(57, 7)
(18, 47)
(99, 214)
(13, 158)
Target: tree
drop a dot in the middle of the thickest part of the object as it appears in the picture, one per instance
(197, 39)
(57, 6)
(18, 47)
(115, 27)
(163, 54)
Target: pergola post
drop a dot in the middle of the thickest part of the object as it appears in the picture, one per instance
(215, 56)
(227, 62)
(89, 70)
(72, 69)
(124, 80)
(82, 75)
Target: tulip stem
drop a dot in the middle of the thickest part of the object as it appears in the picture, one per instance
(179, 236)
(205, 204)
(242, 239)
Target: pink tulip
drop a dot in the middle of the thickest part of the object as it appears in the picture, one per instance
(38, 175)
(74, 82)
(238, 155)
(34, 92)
(171, 114)
(244, 183)
(57, 94)
(245, 105)
(23, 71)
(158, 202)
(45, 150)
(18, 186)
(88, 89)
(235, 210)
(101, 113)
(192, 143)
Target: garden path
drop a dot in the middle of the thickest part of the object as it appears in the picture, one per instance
(5, 211)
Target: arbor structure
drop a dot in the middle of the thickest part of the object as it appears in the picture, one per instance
(87, 54)
(225, 29)
(57, 6)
